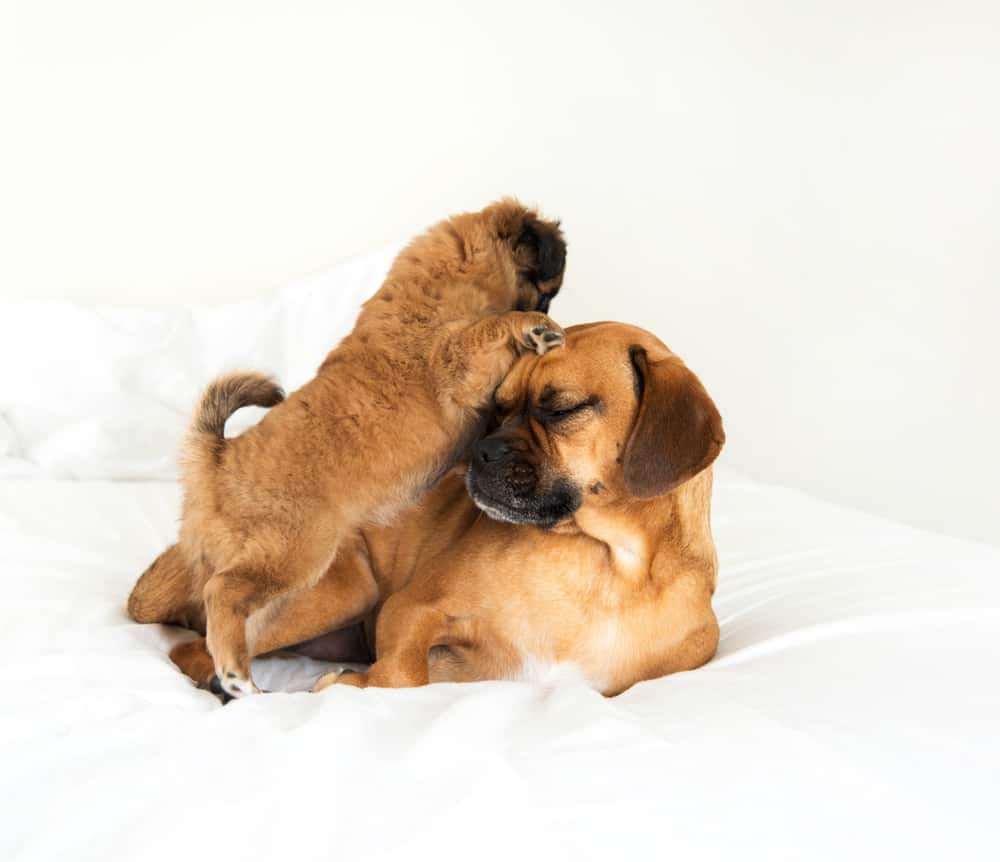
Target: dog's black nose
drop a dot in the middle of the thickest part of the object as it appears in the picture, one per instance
(493, 449)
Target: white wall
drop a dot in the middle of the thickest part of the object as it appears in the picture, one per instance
(803, 199)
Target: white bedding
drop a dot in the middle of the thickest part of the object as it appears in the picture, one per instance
(852, 712)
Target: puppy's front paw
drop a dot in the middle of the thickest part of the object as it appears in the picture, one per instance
(541, 333)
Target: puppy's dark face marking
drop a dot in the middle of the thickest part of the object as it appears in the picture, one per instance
(540, 254)
(556, 445)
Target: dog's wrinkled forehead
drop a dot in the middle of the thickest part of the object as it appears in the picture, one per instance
(594, 361)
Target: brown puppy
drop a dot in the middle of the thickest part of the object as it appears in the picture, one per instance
(597, 563)
(389, 411)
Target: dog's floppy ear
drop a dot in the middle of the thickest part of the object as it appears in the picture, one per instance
(677, 431)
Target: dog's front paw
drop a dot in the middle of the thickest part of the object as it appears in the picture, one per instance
(541, 333)
(345, 676)
(326, 680)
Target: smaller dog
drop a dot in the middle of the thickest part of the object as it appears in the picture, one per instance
(389, 412)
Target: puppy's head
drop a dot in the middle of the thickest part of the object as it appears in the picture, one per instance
(613, 415)
(536, 249)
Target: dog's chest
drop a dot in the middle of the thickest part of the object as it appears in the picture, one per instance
(606, 626)
(592, 658)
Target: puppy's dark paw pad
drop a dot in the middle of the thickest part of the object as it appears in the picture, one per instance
(541, 334)
(549, 339)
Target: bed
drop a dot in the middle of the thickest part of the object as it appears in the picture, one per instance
(852, 711)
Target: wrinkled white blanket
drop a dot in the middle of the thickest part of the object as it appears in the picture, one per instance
(853, 712)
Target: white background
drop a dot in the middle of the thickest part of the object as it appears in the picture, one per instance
(802, 199)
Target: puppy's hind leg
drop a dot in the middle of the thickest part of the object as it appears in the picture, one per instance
(233, 595)
(230, 597)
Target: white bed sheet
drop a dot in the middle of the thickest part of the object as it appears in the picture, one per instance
(853, 712)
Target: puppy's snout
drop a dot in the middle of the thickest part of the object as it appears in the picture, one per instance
(493, 450)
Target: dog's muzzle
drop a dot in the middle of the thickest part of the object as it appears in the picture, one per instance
(504, 482)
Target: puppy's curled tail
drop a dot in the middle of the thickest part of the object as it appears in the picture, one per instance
(223, 397)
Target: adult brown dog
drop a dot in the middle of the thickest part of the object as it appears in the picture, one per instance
(390, 409)
(597, 561)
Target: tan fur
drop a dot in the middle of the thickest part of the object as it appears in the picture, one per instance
(390, 409)
(621, 589)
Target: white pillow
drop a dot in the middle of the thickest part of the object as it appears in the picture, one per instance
(107, 392)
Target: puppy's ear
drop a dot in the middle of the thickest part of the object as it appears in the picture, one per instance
(677, 431)
(540, 247)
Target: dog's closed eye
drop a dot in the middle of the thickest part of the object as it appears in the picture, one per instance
(553, 415)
